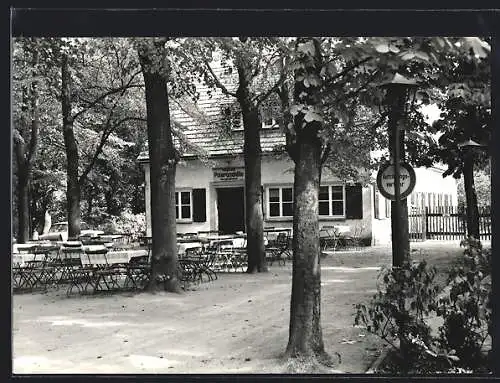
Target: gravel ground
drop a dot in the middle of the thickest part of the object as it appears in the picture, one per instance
(236, 324)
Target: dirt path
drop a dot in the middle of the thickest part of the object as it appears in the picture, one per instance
(237, 324)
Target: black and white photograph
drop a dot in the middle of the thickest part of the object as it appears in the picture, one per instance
(251, 204)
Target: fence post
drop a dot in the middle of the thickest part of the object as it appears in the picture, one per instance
(424, 223)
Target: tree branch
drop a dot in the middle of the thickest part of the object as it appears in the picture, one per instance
(347, 70)
(218, 83)
(357, 91)
(110, 128)
(121, 89)
(326, 153)
(258, 99)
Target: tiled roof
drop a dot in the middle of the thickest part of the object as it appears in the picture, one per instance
(201, 136)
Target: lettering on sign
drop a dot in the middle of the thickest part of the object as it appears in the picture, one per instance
(229, 174)
(386, 180)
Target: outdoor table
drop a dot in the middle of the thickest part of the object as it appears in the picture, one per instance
(333, 236)
(23, 247)
(110, 266)
(189, 244)
(25, 271)
(31, 270)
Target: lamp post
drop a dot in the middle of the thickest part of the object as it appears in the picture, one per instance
(400, 92)
(470, 145)
(470, 194)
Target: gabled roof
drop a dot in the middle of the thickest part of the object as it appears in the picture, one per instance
(200, 136)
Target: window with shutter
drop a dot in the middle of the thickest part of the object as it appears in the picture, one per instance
(199, 205)
(354, 201)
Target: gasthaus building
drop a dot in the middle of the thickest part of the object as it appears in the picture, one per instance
(210, 193)
(210, 187)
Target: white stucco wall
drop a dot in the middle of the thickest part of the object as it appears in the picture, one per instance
(428, 180)
(275, 171)
(431, 180)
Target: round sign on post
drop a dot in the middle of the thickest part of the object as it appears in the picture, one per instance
(386, 178)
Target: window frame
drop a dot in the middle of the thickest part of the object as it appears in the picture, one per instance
(330, 203)
(263, 125)
(178, 207)
(280, 217)
(239, 127)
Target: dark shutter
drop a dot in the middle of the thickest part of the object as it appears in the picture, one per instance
(354, 201)
(262, 201)
(199, 205)
(376, 204)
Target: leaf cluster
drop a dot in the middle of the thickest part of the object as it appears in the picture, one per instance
(466, 310)
(408, 296)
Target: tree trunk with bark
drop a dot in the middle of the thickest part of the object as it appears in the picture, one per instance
(305, 334)
(72, 156)
(253, 189)
(163, 161)
(471, 197)
(26, 155)
(23, 216)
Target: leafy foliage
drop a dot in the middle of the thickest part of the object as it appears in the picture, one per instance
(407, 297)
(466, 310)
(482, 185)
(126, 222)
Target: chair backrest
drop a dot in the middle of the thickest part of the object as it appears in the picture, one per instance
(191, 251)
(72, 255)
(71, 251)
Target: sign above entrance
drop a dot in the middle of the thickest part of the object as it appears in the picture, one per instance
(385, 180)
(229, 174)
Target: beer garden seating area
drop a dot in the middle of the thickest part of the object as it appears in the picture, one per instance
(113, 263)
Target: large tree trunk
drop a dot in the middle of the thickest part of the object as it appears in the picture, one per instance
(252, 154)
(72, 157)
(25, 156)
(471, 197)
(253, 189)
(305, 334)
(23, 216)
(163, 160)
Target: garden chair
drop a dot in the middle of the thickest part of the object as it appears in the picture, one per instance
(353, 238)
(278, 249)
(329, 238)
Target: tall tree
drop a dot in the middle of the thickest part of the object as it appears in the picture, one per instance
(94, 87)
(72, 156)
(330, 77)
(305, 334)
(253, 59)
(466, 115)
(163, 161)
(26, 149)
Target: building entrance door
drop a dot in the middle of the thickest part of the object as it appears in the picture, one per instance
(231, 209)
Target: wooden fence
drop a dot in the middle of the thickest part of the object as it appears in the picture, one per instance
(445, 223)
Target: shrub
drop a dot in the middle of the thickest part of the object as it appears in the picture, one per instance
(405, 296)
(466, 310)
(126, 222)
